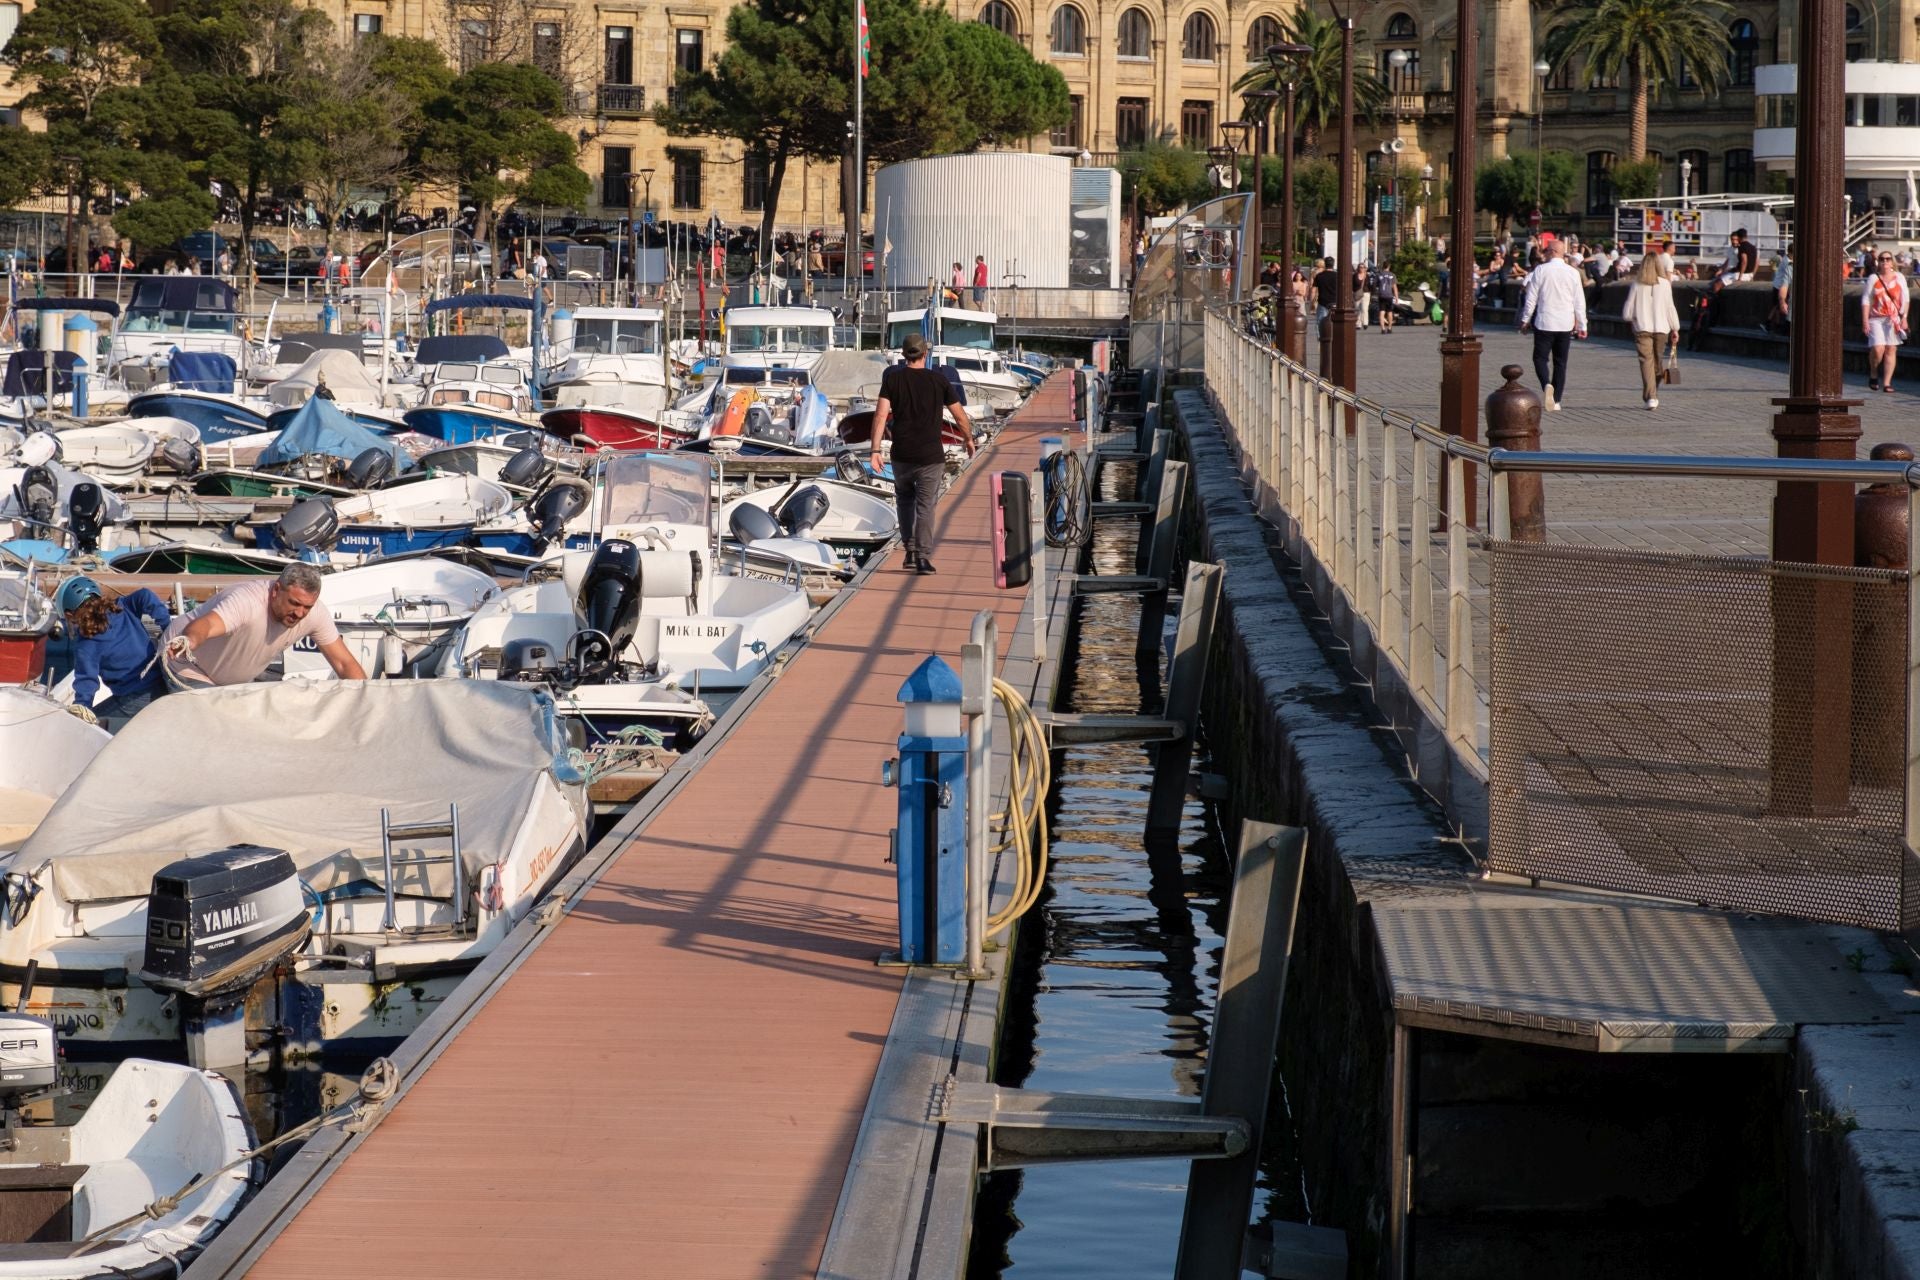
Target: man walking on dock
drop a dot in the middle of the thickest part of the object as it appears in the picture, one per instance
(914, 397)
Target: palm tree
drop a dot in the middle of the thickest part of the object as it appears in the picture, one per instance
(1651, 40)
(1316, 92)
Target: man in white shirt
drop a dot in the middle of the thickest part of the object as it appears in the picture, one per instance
(1555, 308)
(241, 629)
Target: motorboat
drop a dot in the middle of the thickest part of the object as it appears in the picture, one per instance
(314, 451)
(169, 315)
(610, 427)
(613, 382)
(177, 558)
(392, 612)
(319, 871)
(852, 520)
(42, 498)
(463, 400)
(338, 374)
(416, 515)
(43, 748)
(199, 388)
(692, 623)
(26, 620)
(117, 453)
(156, 1164)
(40, 374)
(964, 341)
(776, 337)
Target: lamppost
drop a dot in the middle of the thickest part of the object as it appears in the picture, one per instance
(1686, 174)
(1540, 72)
(1337, 358)
(1285, 61)
(1391, 149)
(1396, 60)
(1258, 105)
(1460, 348)
(633, 232)
(1237, 133)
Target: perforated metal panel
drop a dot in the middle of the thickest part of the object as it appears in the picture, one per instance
(1721, 731)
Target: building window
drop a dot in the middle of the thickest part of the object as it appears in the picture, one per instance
(1561, 77)
(1403, 37)
(476, 42)
(753, 181)
(1196, 124)
(1130, 122)
(1697, 180)
(364, 24)
(1738, 171)
(1600, 181)
(1069, 35)
(1000, 16)
(686, 179)
(546, 48)
(1136, 34)
(1856, 36)
(1743, 50)
(689, 51)
(1683, 75)
(1196, 41)
(1263, 34)
(619, 56)
(616, 168)
(1071, 133)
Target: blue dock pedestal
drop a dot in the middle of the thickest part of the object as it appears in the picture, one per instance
(929, 845)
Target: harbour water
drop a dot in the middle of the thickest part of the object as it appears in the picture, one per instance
(1114, 986)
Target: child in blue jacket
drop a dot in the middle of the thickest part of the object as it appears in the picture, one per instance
(111, 646)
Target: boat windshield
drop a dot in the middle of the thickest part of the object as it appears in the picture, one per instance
(779, 337)
(898, 330)
(966, 333)
(659, 487)
(616, 337)
(173, 320)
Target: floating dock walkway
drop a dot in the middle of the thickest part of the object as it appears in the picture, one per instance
(668, 1079)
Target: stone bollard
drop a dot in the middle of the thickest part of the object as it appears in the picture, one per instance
(1879, 630)
(1513, 422)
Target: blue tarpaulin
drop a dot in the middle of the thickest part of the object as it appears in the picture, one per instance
(201, 371)
(320, 427)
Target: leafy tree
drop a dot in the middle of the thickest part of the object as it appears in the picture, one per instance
(172, 204)
(784, 86)
(1316, 78)
(1316, 188)
(494, 120)
(1414, 264)
(1505, 187)
(350, 127)
(1635, 179)
(1163, 177)
(24, 161)
(1650, 40)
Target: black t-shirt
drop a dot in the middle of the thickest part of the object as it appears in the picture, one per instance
(1326, 287)
(916, 399)
(1749, 259)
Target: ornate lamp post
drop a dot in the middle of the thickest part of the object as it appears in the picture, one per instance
(1285, 61)
(1259, 106)
(1337, 361)
(1686, 175)
(1460, 349)
(1540, 72)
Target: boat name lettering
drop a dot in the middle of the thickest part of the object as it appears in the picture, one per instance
(696, 630)
(541, 862)
(7, 1046)
(229, 917)
(306, 644)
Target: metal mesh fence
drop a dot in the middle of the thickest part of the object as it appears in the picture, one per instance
(1722, 731)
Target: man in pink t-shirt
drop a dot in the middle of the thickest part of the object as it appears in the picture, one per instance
(233, 636)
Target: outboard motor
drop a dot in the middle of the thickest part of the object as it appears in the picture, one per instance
(181, 456)
(40, 447)
(803, 510)
(216, 925)
(86, 516)
(528, 660)
(526, 469)
(29, 1061)
(309, 526)
(749, 524)
(370, 468)
(557, 504)
(760, 425)
(610, 603)
(39, 495)
(848, 467)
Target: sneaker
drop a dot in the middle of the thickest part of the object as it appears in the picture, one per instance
(1553, 405)
(924, 566)
(1654, 403)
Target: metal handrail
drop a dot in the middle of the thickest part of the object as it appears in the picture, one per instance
(1834, 470)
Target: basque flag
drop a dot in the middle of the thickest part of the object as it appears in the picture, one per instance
(865, 50)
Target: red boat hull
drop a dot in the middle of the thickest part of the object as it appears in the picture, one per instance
(609, 428)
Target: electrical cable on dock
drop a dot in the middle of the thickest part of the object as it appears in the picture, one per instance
(1030, 777)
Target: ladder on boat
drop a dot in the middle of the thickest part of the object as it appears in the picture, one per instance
(448, 830)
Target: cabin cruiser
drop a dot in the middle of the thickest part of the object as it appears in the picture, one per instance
(776, 337)
(963, 340)
(470, 399)
(320, 870)
(168, 314)
(613, 383)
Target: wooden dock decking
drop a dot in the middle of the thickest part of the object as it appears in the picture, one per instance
(670, 1085)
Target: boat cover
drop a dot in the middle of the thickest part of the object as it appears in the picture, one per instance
(201, 371)
(347, 378)
(841, 374)
(304, 766)
(27, 373)
(320, 427)
(460, 348)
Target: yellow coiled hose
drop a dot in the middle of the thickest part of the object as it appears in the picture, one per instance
(1023, 821)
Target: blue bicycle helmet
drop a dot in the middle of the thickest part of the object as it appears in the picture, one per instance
(75, 592)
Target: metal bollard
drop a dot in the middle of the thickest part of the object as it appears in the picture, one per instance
(930, 842)
(1513, 422)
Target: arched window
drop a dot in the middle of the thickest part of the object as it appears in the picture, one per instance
(1196, 41)
(1401, 45)
(999, 15)
(1743, 51)
(1401, 26)
(1136, 34)
(1561, 77)
(1262, 35)
(1600, 181)
(1069, 32)
(1696, 178)
(1856, 35)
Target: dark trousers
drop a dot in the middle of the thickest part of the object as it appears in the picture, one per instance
(1556, 345)
(916, 487)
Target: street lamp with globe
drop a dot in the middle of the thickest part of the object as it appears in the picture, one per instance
(1540, 73)
(1686, 173)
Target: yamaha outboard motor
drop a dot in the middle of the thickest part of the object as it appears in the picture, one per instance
(181, 456)
(749, 523)
(86, 516)
(610, 604)
(557, 504)
(216, 925)
(526, 469)
(803, 510)
(370, 468)
(310, 526)
(39, 495)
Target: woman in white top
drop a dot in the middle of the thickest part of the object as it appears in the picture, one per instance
(1883, 314)
(1655, 322)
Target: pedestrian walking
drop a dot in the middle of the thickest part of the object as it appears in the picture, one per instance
(914, 399)
(979, 280)
(1386, 292)
(1655, 322)
(954, 286)
(1361, 295)
(1554, 307)
(1326, 288)
(1883, 314)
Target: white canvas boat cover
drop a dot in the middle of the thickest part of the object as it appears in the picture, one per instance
(303, 766)
(347, 378)
(842, 374)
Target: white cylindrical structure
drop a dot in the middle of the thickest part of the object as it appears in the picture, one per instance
(1011, 207)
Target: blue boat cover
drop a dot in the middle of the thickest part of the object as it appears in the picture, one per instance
(475, 347)
(27, 373)
(106, 305)
(953, 376)
(201, 371)
(320, 427)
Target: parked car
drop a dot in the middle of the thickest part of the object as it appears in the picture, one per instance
(204, 245)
